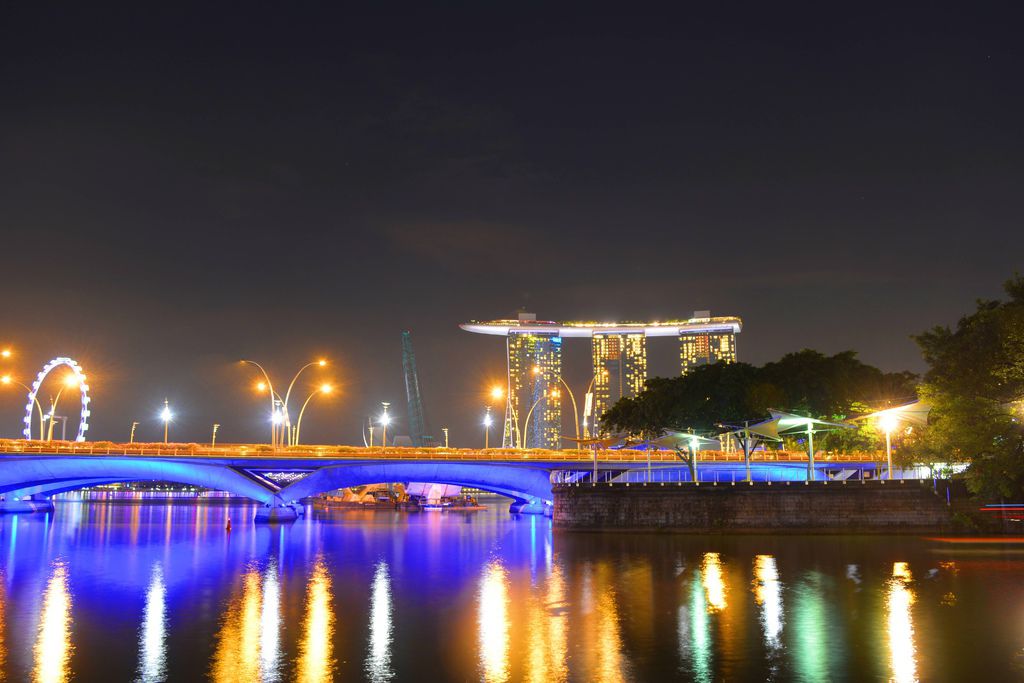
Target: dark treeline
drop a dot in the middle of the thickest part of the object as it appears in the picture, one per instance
(806, 382)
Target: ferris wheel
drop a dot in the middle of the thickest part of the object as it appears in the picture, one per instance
(83, 389)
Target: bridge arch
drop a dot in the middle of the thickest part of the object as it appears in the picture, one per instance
(49, 475)
(524, 484)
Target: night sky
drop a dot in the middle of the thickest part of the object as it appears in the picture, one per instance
(181, 187)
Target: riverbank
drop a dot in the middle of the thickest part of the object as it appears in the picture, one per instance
(911, 507)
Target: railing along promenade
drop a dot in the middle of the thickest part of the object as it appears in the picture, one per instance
(178, 450)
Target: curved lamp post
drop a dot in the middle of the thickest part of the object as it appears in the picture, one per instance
(324, 389)
(526, 426)
(70, 382)
(575, 413)
(7, 379)
(281, 419)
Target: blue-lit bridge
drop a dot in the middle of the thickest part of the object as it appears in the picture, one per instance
(31, 471)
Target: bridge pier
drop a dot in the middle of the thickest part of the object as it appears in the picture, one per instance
(530, 507)
(26, 504)
(275, 514)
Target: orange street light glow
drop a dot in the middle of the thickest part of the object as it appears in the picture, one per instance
(326, 388)
(322, 362)
(6, 379)
(497, 392)
(6, 353)
(261, 386)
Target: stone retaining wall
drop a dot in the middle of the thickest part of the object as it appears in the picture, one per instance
(833, 507)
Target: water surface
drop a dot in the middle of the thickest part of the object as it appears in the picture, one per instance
(162, 591)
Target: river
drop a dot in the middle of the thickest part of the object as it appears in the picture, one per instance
(163, 591)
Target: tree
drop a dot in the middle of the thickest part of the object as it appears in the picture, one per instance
(975, 385)
(809, 382)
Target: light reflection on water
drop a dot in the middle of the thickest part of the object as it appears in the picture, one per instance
(900, 598)
(378, 663)
(153, 634)
(53, 643)
(493, 623)
(156, 592)
(315, 662)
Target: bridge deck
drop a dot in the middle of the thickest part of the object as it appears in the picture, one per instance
(263, 452)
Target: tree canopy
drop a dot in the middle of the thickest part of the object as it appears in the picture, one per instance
(975, 385)
(806, 382)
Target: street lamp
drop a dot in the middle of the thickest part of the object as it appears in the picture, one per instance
(165, 415)
(324, 389)
(6, 353)
(213, 437)
(575, 413)
(445, 430)
(7, 380)
(131, 434)
(526, 427)
(511, 416)
(280, 421)
(888, 422)
(385, 420)
(70, 382)
(487, 428)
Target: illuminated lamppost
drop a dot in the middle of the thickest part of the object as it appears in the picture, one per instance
(324, 389)
(511, 416)
(487, 428)
(385, 420)
(213, 437)
(888, 422)
(280, 429)
(166, 416)
(7, 380)
(445, 430)
(131, 434)
(526, 427)
(70, 382)
(588, 402)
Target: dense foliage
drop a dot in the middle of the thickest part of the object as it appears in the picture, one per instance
(975, 384)
(805, 382)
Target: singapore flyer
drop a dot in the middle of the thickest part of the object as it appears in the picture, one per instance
(78, 379)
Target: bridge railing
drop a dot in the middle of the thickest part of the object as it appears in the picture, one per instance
(22, 446)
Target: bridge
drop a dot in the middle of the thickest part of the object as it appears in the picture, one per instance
(279, 478)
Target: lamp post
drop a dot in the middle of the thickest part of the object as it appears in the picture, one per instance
(280, 423)
(213, 438)
(70, 382)
(487, 428)
(385, 419)
(526, 426)
(575, 413)
(445, 430)
(131, 434)
(166, 416)
(888, 422)
(589, 402)
(325, 389)
(7, 379)
(511, 417)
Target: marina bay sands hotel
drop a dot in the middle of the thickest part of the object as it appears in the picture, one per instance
(533, 407)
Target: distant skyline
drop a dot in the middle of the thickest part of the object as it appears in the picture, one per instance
(185, 185)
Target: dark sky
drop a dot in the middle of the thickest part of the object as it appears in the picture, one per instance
(184, 186)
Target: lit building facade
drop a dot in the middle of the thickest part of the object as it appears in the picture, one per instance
(533, 410)
(533, 414)
(711, 344)
(620, 369)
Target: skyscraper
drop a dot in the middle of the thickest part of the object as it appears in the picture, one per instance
(712, 343)
(620, 369)
(533, 411)
(534, 401)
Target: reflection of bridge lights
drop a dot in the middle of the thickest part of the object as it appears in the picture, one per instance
(378, 663)
(900, 597)
(493, 622)
(270, 623)
(768, 594)
(153, 638)
(714, 584)
(53, 643)
(315, 648)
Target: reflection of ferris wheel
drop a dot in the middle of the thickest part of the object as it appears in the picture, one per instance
(83, 388)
